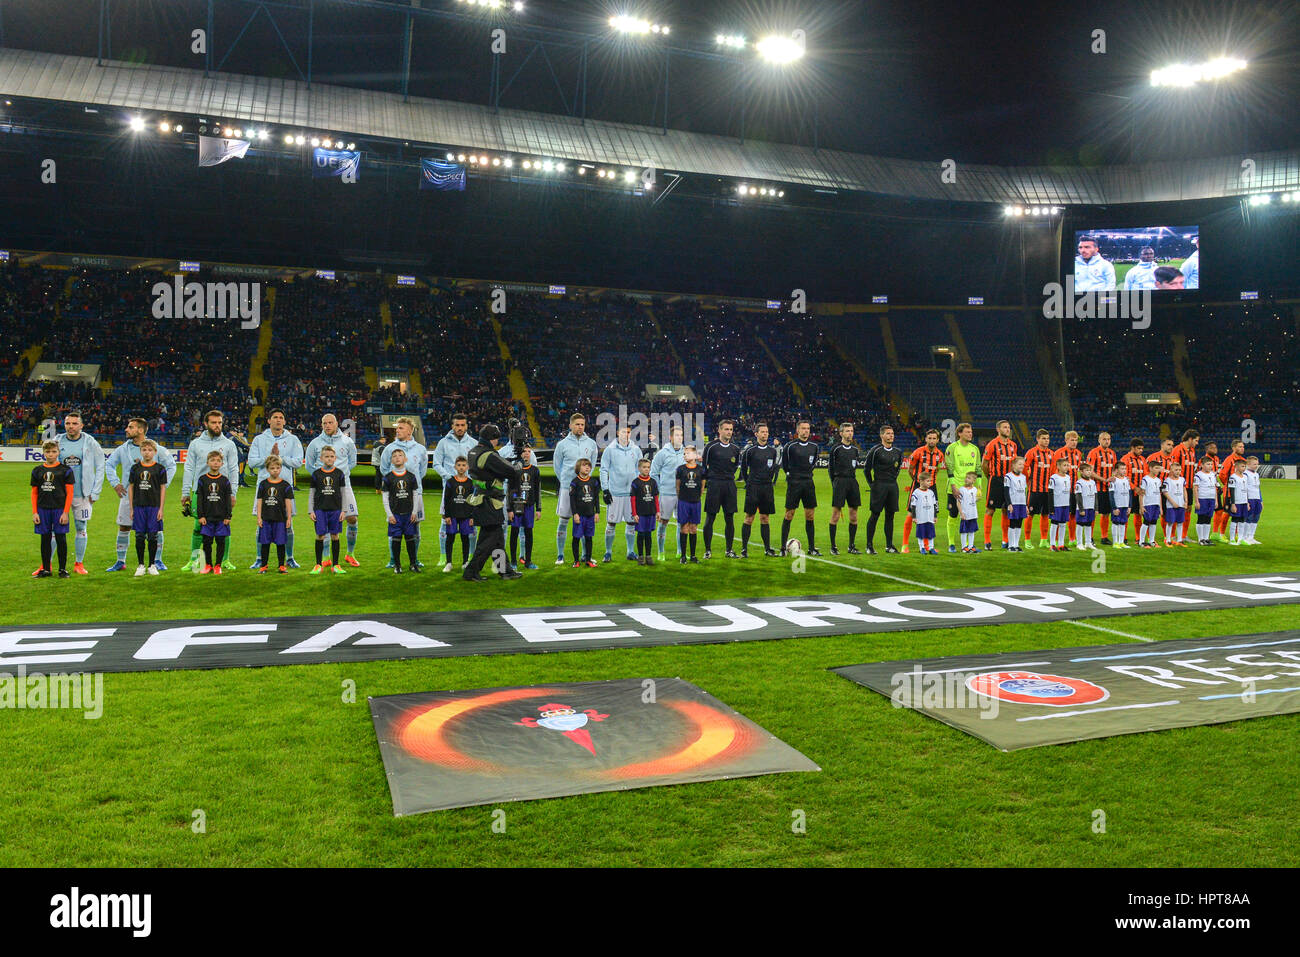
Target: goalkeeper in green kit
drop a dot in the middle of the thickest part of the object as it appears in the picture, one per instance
(210, 439)
(963, 456)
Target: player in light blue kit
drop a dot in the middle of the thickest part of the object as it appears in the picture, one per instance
(345, 460)
(574, 446)
(118, 469)
(663, 469)
(80, 452)
(456, 443)
(278, 441)
(417, 463)
(619, 463)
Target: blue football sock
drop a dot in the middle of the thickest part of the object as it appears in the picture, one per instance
(352, 537)
(123, 543)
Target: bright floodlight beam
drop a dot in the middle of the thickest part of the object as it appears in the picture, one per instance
(627, 24)
(1185, 75)
(779, 50)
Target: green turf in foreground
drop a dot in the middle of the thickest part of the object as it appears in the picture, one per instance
(287, 773)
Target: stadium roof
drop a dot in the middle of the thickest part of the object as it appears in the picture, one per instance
(357, 112)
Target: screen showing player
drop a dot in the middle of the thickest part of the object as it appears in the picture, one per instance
(1159, 258)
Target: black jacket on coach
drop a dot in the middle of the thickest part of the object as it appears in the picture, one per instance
(489, 469)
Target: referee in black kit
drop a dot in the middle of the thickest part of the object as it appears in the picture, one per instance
(799, 459)
(881, 466)
(759, 465)
(721, 456)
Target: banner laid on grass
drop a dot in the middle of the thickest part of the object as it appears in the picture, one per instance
(1025, 699)
(446, 749)
(249, 643)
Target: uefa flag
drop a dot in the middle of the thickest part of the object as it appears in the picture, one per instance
(438, 175)
(215, 150)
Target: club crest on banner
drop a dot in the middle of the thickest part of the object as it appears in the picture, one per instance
(1030, 687)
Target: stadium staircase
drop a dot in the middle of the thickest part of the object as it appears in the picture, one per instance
(964, 360)
(372, 378)
(256, 376)
(1182, 365)
(959, 395)
(32, 355)
(413, 379)
(659, 333)
(887, 334)
(518, 387)
(386, 323)
(780, 370)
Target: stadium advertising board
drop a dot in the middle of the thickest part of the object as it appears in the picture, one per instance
(255, 642)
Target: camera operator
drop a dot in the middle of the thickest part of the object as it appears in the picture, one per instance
(490, 472)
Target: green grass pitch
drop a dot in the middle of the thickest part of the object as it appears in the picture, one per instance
(287, 773)
(1121, 269)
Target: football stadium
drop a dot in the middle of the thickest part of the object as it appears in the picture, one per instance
(500, 434)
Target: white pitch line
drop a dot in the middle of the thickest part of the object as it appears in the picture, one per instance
(1109, 631)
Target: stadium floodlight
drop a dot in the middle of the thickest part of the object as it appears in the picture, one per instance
(741, 189)
(635, 25)
(547, 166)
(507, 162)
(300, 139)
(352, 146)
(528, 164)
(178, 128)
(262, 134)
(164, 127)
(137, 124)
(628, 176)
(496, 160)
(451, 157)
(732, 41)
(315, 141)
(327, 143)
(779, 50)
(288, 139)
(519, 6)
(460, 157)
(1185, 74)
(781, 194)
(473, 159)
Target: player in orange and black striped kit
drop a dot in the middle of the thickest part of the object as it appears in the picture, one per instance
(1161, 458)
(1074, 458)
(1185, 459)
(1038, 468)
(1103, 460)
(1225, 471)
(925, 459)
(1001, 451)
(1136, 464)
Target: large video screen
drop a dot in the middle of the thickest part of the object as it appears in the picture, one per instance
(1158, 258)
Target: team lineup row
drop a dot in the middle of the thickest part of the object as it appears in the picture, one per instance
(680, 483)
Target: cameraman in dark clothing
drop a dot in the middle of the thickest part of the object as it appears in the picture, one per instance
(490, 472)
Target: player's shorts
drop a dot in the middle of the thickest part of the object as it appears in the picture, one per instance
(349, 501)
(1119, 516)
(584, 526)
(273, 533)
(124, 516)
(329, 523)
(1103, 502)
(49, 523)
(82, 509)
(800, 490)
(460, 526)
(1017, 513)
(645, 523)
(404, 527)
(1175, 515)
(1239, 511)
(925, 530)
(524, 517)
(1204, 506)
(1085, 516)
(145, 520)
(969, 525)
(720, 496)
(845, 492)
(688, 513)
(215, 530)
(562, 505)
(1150, 514)
(1254, 509)
(667, 507)
(952, 504)
(996, 495)
(1060, 514)
(1040, 503)
(619, 510)
(760, 499)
